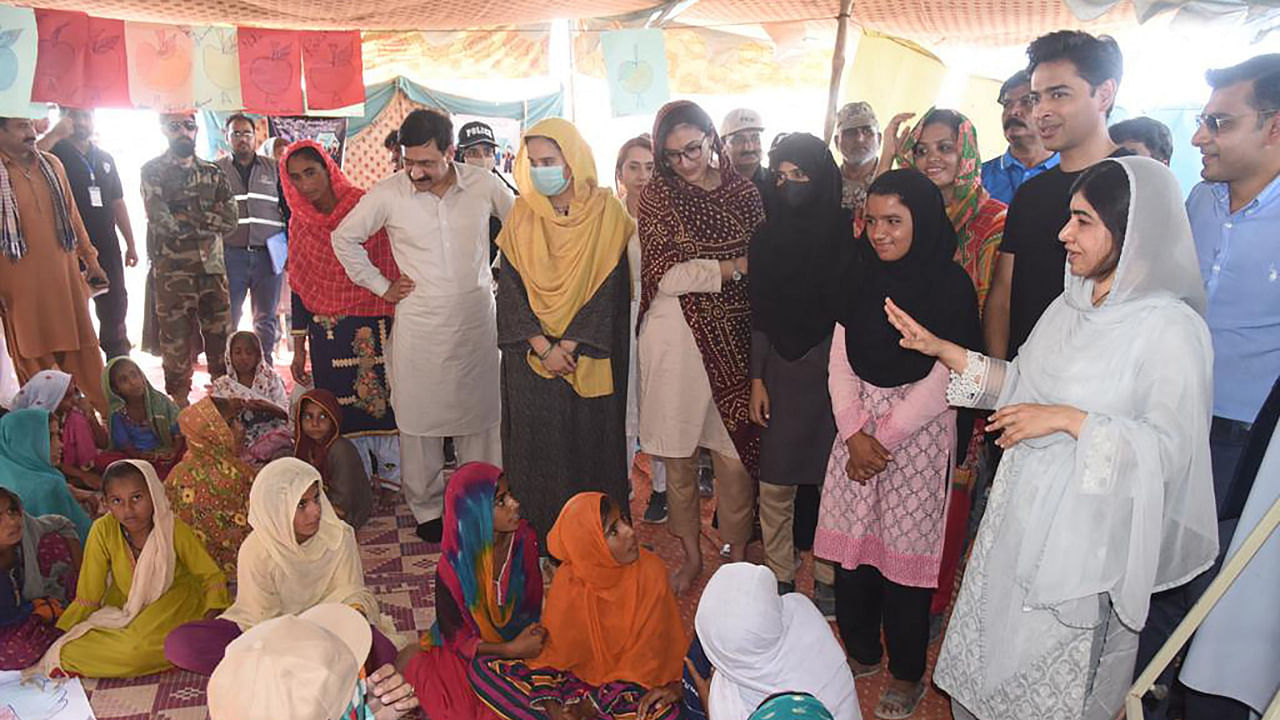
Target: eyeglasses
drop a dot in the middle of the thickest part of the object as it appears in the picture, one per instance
(1026, 102)
(744, 139)
(176, 125)
(234, 133)
(691, 152)
(1216, 122)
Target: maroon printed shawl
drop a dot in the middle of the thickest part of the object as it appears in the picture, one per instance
(680, 222)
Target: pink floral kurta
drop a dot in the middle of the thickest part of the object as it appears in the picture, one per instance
(895, 521)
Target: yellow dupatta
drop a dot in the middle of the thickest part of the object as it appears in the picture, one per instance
(563, 260)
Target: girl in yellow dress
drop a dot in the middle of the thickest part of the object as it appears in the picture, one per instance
(144, 573)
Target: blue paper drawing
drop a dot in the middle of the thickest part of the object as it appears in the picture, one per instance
(636, 67)
(18, 42)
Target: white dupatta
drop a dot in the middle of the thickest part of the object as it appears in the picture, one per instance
(152, 575)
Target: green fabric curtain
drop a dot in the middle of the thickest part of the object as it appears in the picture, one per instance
(376, 98)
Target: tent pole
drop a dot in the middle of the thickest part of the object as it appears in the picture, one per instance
(837, 67)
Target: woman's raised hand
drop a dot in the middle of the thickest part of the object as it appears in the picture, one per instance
(914, 335)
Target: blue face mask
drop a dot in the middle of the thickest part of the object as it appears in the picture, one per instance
(549, 180)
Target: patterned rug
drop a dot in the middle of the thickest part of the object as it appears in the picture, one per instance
(398, 569)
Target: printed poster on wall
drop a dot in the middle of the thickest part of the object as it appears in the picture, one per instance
(636, 67)
(18, 41)
(329, 132)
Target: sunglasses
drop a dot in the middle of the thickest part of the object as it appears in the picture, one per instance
(1216, 123)
(176, 125)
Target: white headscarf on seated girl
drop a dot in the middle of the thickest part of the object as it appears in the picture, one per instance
(152, 573)
(267, 383)
(761, 643)
(277, 575)
(44, 390)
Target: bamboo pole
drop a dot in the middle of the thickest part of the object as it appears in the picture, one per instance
(837, 67)
(1235, 565)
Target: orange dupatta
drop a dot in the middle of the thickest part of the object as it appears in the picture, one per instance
(607, 622)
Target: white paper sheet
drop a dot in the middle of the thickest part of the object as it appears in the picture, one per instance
(42, 699)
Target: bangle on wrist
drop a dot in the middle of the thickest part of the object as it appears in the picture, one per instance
(545, 353)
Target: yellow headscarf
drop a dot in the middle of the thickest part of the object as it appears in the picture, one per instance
(564, 259)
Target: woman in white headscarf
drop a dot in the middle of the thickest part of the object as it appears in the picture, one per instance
(299, 555)
(761, 643)
(1104, 494)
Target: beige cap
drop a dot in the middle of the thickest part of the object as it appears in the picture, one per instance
(856, 114)
(293, 667)
(739, 120)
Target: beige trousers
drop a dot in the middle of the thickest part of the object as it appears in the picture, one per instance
(735, 497)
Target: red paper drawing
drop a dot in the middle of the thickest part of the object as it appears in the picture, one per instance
(106, 71)
(60, 60)
(159, 66)
(334, 68)
(271, 71)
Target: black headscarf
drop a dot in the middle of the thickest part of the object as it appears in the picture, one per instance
(801, 252)
(925, 282)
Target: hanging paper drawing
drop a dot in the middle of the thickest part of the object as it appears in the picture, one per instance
(217, 69)
(159, 66)
(270, 71)
(18, 40)
(636, 62)
(333, 69)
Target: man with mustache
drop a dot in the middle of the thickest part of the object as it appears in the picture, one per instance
(741, 132)
(95, 183)
(443, 361)
(254, 180)
(859, 141)
(44, 301)
(1026, 156)
(189, 208)
(1074, 80)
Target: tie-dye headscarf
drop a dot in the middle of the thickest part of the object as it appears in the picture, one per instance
(977, 217)
(476, 608)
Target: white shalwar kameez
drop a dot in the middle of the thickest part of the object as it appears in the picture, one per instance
(442, 363)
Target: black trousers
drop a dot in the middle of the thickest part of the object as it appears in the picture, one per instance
(865, 601)
(112, 307)
(805, 524)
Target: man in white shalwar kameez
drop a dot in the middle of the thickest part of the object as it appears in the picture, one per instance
(442, 364)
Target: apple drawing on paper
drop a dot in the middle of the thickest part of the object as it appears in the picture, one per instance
(58, 61)
(106, 66)
(8, 58)
(164, 65)
(221, 63)
(272, 73)
(330, 73)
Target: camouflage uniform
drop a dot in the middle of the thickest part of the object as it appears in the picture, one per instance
(189, 209)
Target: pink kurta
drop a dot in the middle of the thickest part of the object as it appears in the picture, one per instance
(895, 521)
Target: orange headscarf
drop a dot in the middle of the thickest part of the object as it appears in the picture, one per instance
(607, 621)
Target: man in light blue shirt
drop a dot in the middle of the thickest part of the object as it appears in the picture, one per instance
(1026, 156)
(1235, 218)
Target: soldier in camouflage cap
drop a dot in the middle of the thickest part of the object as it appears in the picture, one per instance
(189, 208)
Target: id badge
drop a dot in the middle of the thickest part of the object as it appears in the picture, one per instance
(95, 196)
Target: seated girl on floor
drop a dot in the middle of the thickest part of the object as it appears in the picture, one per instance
(488, 593)
(209, 487)
(628, 666)
(144, 573)
(143, 421)
(318, 423)
(299, 555)
(264, 401)
(30, 452)
(760, 643)
(83, 436)
(39, 559)
(307, 667)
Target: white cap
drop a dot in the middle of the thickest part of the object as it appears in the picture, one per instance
(293, 667)
(739, 120)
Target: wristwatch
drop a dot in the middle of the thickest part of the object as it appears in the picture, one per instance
(736, 275)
